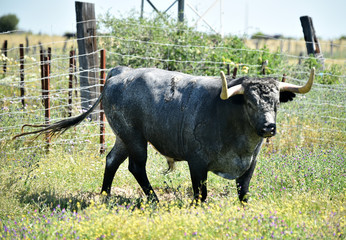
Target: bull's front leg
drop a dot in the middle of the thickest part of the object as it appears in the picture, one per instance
(199, 174)
(243, 183)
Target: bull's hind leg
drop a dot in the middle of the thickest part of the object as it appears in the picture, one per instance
(137, 166)
(114, 159)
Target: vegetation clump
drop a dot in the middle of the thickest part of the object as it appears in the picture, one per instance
(166, 44)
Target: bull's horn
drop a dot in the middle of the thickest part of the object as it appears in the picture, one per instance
(298, 89)
(226, 93)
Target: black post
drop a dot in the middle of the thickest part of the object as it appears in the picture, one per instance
(27, 45)
(49, 58)
(312, 43)
(102, 114)
(21, 61)
(234, 72)
(181, 4)
(142, 8)
(309, 33)
(70, 82)
(42, 54)
(46, 97)
(4, 51)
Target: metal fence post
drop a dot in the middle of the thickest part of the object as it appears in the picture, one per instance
(312, 44)
(4, 51)
(46, 97)
(21, 62)
(70, 82)
(234, 72)
(102, 114)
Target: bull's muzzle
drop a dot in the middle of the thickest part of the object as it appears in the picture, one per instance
(268, 130)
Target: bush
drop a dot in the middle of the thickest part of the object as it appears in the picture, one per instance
(8, 22)
(167, 44)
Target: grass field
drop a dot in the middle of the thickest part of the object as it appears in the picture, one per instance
(299, 195)
(297, 192)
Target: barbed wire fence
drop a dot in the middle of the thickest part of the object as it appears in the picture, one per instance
(316, 118)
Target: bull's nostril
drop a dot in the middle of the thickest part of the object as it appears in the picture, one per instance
(269, 130)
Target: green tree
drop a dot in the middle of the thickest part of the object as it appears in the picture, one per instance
(8, 22)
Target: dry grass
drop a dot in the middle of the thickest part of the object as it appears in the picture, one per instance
(55, 42)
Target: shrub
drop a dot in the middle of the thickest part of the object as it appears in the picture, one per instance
(167, 44)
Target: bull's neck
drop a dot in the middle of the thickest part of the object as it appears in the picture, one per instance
(237, 133)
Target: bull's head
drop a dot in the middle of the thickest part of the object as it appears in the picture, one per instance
(261, 100)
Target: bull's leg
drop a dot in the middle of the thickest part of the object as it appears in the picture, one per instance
(199, 176)
(244, 181)
(114, 159)
(137, 166)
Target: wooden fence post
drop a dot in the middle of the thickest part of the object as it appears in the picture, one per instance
(49, 58)
(21, 63)
(46, 89)
(88, 57)
(4, 51)
(263, 68)
(181, 4)
(257, 43)
(46, 97)
(234, 72)
(70, 82)
(312, 44)
(300, 59)
(102, 114)
(27, 44)
(42, 74)
(289, 46)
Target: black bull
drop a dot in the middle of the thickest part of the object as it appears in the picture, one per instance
(213, 124)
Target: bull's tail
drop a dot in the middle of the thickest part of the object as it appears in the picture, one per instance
(61, 126)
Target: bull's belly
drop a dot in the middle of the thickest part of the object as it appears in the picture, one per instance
(231, 166)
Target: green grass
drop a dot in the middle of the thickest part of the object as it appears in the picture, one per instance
(298, 195)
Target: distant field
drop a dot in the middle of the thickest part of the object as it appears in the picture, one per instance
(55, 42)
(335, 54)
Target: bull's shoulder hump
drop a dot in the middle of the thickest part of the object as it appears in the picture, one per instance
(154, 76)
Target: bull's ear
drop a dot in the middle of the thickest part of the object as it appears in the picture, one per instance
(286, 96)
